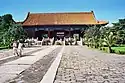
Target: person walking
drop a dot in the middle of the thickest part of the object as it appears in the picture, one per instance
(20, 48)
(15, 48)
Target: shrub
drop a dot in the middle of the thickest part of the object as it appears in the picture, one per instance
(117, 51)
(120, 51)
(45, 42)
(5, 47)
(58, 43)
(66, 43)
(76, 43)
(105, 49)
(83, 43)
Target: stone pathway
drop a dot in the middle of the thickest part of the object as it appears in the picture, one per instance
(9, 52)
(12, 69)
(79, 64)
(8, 55)
(36, 71)
(83, 65)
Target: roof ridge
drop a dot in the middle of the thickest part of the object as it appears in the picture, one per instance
(65, 13)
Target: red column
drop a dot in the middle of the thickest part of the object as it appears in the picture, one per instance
(49, 33)
(69, 31)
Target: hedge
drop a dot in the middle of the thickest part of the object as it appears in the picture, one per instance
(117, 50)
(4, 47)
(105, 49)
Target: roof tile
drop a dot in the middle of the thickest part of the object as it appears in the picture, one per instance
(79, 18)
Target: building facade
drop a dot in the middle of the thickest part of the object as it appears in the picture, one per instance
(59, 25)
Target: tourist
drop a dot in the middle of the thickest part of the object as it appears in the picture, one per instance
(15, 48)
(20, 48)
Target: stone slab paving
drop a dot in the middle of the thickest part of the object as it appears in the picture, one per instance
(26, 52)
(50, 74)
(6, 53)
(36, 71)
(14, 68)
(83, 65)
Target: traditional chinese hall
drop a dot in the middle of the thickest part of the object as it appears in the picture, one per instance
(59, 25)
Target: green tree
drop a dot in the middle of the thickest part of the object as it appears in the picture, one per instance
(92, 35)
(120, 29)
(9, 30)
(109, 37)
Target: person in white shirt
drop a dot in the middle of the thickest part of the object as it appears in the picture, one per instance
(20, 49)
(15, 48)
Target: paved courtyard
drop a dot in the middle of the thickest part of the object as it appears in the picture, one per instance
(78, 64)
(83, 65)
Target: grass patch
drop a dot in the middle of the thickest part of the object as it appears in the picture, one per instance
(117, 50)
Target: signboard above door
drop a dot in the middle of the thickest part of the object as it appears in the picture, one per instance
(61, 33)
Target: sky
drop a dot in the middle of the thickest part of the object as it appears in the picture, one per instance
(109, 10)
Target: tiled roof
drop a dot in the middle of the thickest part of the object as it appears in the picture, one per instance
(78, 18)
